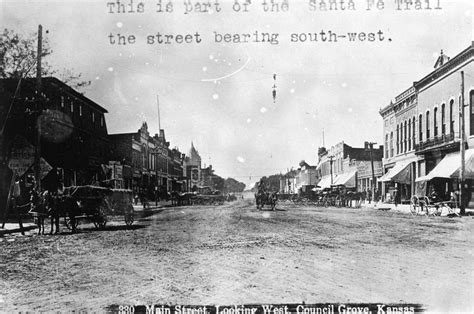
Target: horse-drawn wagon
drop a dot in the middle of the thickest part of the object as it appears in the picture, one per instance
(96, 204)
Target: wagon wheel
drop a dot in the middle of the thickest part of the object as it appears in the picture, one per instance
(100, 216)
(414, 204)
(129, 218)
(71, 222)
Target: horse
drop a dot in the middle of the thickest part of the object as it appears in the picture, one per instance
(266, 198)
(39, 203)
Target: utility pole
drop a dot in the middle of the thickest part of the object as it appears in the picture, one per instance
(462, 148)
(38, 110)
(331, 158)
(371, 148)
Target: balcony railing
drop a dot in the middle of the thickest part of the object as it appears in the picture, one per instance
(436, 141)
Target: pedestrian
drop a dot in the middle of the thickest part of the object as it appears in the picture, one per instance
(397, 196)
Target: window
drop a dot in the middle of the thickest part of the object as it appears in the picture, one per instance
(471, 115)
(398, 140)
(93, 116)
(451, 120)
(435, 122)
(405, 137)
(80, 110)
(62, 101)
(420, 128)
(386, 146)
(101, 121)
(72, 106)
(428, 125)
(391, 144)
(413, 132)
(443, 119)
(408, 135)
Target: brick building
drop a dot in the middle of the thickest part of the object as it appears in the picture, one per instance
(72, 128)
(346, 165)
(155, 169)
(424, 121)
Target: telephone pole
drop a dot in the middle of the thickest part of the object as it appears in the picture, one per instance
(462, 148)
(374, 184)
(38, 109)
(331, 158)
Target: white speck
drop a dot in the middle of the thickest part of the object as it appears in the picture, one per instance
(292, 90)
(136, 98)
(249, 120)
(306, 129)
(263, 110)
(119, 24)
(210, 12)
(229, 63)
(294, 81)
(211, 57)
(240, 159)
(215, 96)
(120, 54)
(216, 60)
(344, 84)
(139, 26)
(111, 69)
(204, 69)
(97, 78)
(146, 63)
(266, 215)
(304, 81)
(350, 109)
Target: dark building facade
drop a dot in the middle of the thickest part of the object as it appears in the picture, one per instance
(69, 127)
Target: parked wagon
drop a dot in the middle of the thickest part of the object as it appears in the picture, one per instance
(96, 204)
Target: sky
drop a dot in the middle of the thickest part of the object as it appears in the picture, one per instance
(218, 95)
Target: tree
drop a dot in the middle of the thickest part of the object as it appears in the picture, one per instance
(18, 59)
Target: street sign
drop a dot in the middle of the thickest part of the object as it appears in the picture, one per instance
(45, 168)
(22, 155)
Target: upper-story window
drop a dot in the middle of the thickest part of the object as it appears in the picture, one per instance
(451, 118)
(93, 116)
(391, 144)
(405, 137)
(398, 140)
(443, 119)
(420, 128)
(80, 110)
(428, 125)
(72, 106)
(413, 132)
(62, 101)
(409, 134)
(101, 121)
(386, 146)
(435, 122)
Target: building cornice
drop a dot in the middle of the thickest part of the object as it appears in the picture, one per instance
(462, 57)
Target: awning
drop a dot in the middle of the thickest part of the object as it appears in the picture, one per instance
(449, 166)
(325, 182)
(400, 173)
(347, 179)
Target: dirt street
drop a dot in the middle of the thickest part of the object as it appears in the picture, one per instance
(235, 254)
